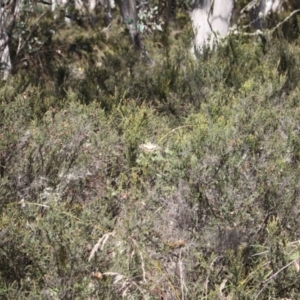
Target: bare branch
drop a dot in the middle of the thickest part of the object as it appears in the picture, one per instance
(273, 276)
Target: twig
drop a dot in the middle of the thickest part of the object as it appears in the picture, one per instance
(260, 253)
(295, 242)
(286, 19)
(182, 283)
(22, 202)
(273, 276)
(20, 47)
(142, 259)
(259, 32)
(101, 242)
(208, 275)
(173, 130)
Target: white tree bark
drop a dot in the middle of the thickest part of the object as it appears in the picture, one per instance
(263, 10)
(211, 21)
(8, 14)
(5, 61)
(268, 6)
(108, 6)
(200, 17)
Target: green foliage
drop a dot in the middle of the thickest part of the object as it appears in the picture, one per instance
(178, 181)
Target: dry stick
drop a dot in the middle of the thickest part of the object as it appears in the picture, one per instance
(295, 242)
(222, 287)
(274, 275)
(286, 19)
(127, 283)
(142, 259)
(158, 209)
(261, 227)
(260, 253)
(173, 130)
(59, 211)
(258, 32)
(22, 202)
(101, 242)
(182, 283)
(248, 278)
(208, 275)
(158, 267)
(34, 26)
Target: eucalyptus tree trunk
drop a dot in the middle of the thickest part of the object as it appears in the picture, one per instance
(108, 5)
(262, 9)
(220, 20)
(270, 6)
(129, 15)
(211, 21)
(128, 11)
(5, 61)
(8, 14)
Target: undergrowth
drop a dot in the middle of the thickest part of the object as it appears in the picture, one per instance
(179, 181)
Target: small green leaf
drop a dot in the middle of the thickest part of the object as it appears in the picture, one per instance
(129, 21)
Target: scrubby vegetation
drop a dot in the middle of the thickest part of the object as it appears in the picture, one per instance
(179, 181)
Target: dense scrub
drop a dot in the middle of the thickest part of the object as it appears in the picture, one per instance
(179, 181)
